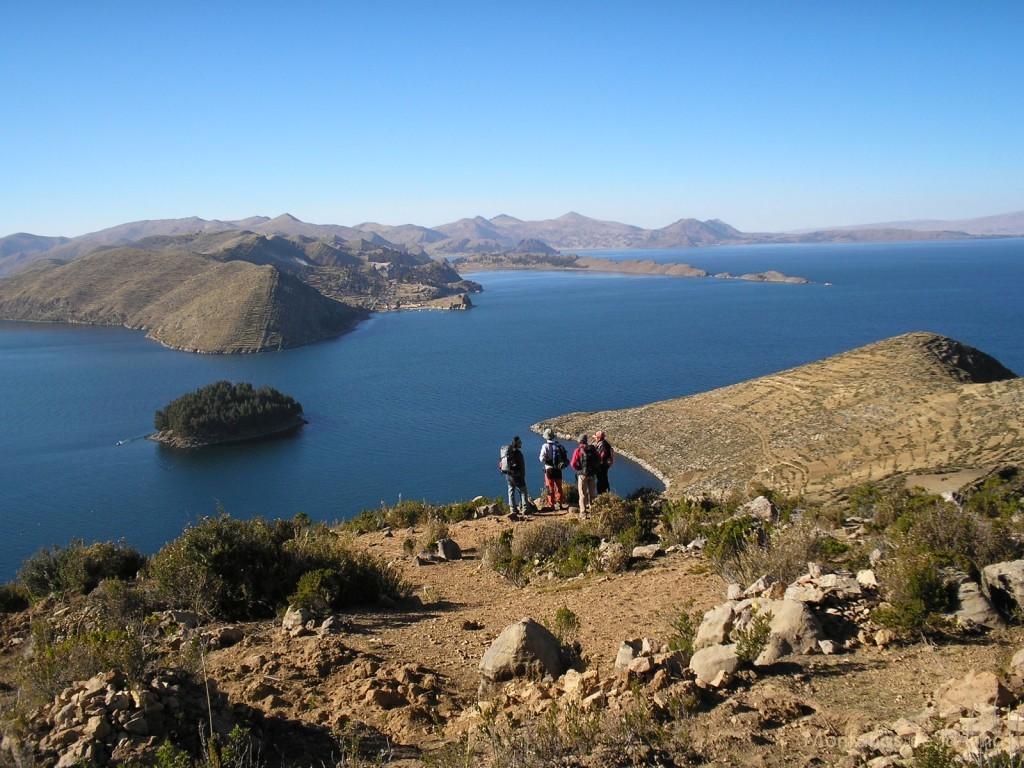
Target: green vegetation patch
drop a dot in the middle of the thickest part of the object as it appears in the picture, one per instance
(248, 569)
(223, 411)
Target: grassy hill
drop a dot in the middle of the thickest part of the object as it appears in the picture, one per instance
(911, 404)
(184, 300)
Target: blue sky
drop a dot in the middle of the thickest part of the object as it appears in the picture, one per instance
(768, 115)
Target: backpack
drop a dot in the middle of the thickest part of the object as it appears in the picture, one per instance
(588, 460)
(557, 456)
(503, 464)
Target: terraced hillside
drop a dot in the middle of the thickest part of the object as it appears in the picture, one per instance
(184, 300)
(915, 403)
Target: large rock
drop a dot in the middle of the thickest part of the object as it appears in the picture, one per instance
(1015, 670)
(714, 629)
(709, 662)
(975, 692)
(1005, 584)
(447, 549)
(794, 629)
(974, 606)
(760, 508)
(523, 649)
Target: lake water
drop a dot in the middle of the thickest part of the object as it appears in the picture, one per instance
(415, 405)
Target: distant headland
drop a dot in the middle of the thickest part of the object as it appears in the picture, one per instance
(262, 284)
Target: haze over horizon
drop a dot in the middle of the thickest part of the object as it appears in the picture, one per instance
(770, 116)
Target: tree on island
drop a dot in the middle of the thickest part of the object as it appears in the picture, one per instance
(224, 411)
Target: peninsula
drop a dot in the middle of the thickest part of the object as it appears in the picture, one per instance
(555, 261)
(914, 404)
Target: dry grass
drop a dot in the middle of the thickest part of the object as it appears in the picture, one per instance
(910, 404)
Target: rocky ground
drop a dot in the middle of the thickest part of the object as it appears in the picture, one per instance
(399, 682)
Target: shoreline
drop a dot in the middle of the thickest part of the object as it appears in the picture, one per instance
(540, 426)
(169, 439)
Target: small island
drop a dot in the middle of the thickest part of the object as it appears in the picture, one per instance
(224, 412)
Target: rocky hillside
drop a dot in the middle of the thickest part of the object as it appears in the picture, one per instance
(916, 403)
(183, 300)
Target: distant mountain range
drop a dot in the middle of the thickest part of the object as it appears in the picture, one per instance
(1007, 224)
(501, 234)
(259, 283)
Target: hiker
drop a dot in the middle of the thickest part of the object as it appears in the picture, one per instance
(605, 459)
(513, 466)
(584, 461)
(555, 458)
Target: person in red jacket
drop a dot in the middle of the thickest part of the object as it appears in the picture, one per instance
(605, 459)
(584, 461)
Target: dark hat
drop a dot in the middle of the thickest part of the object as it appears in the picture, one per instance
(583, 438)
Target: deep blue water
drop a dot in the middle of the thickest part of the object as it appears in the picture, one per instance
(416, 404)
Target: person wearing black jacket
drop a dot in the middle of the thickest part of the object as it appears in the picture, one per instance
(605, 459)
(516, 477)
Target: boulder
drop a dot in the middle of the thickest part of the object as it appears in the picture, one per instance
(447, 549)
(715, 627)
(646, 551)
(974, 606)
(1005, 585)
(760, 508)
(524, 649)
(1015, 671)
(611, 557)
(794, 629)
(976, 691)
(295, 618)
(628, 651)
(709, 662)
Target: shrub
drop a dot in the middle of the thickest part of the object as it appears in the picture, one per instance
(14, 597)
(1001, 495)
(684, 520)
(567, 624)
(406, 514)
(437, 529)
(916, 593)
(577, 555)
(752, 639)
(956, 536)
(463, 510)
(123, 604)
(543, 541)
(567, 628)
(498, 556)
(628, 521)
(685, 626)
(728, 541)
(316, 590)
(235, 569)
(78, 568)
(224, 567)
(367, 521)
(57, 663)
(935, 754)
(782, 552)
